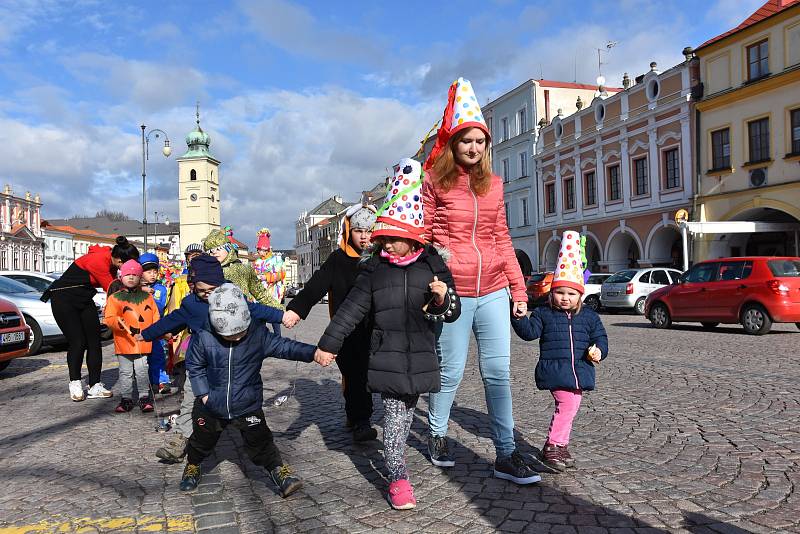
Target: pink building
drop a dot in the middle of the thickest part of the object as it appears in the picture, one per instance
(21, 240)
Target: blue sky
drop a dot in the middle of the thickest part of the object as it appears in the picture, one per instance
(302, 100)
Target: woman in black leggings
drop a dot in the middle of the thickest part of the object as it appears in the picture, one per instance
(76, 314)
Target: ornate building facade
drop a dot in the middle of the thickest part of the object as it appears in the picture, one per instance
(21, 242)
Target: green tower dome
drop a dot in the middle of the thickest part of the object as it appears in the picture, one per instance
(197, 141)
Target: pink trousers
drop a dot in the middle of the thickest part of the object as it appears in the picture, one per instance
(567, 403)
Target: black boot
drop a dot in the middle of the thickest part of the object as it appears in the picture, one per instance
(282, 477)
(191, 477)
(363, 431)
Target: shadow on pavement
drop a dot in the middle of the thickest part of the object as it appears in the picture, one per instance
(23, 366)
(732, 329)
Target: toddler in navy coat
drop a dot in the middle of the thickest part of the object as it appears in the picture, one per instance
(572, 341)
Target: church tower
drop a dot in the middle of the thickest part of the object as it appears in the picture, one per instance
(198, 188)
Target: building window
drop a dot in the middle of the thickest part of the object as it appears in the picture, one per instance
(721, 149)
(505, 170)
(640, 175)
(672, 167)
(490, 125)
(758, 60)
(503, 129)
(614, 184)
(590, 186)
(523, 164)
(550, 198)
(795, 116)
(758, 137)
(522, 121)
(193, 175)
(524, 204)
(569, 194)
(508, 215)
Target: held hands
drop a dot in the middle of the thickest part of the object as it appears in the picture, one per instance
(520, 309)
(290, 319)
(139, 337)
(439, 290)
(205, 399)
(593, 354)
(323, 358)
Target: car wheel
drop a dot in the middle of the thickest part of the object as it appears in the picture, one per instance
(639, 306)
(659, 316)
(592, 302)
(36, 336)
(4, 364)
(709, 326)
(755, 320)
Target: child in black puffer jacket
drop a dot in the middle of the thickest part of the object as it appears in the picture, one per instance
(572, 341)
(404, 288)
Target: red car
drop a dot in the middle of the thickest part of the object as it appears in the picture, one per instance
(538, 287)
(15, 335)
(754, 291)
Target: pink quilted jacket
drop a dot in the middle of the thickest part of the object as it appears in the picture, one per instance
(473, 228)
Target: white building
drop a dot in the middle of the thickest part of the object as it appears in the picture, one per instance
(512, 120)
(304, 245)
(58, 249)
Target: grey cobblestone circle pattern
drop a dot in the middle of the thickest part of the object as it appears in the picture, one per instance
(689, 431)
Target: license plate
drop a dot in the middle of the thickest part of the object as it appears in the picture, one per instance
(13, 337)
(612, 294)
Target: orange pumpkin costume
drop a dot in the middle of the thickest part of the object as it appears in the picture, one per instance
(136, 310)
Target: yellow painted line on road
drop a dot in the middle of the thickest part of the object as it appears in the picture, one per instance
(18, 364)
(180, 523)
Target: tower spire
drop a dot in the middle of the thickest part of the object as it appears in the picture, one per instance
(197, 113)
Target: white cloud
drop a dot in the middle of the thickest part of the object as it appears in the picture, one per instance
(732, 12)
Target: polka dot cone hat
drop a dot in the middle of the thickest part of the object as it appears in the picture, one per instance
(462, 112)
(569, 268)
(401, 213)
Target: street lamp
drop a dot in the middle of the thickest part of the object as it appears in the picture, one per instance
(167, 150)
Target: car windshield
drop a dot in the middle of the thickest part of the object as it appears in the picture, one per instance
(538, 277)
(38, 284)
(7, 285)
(621, 277)
(784, 268)
(597, 279)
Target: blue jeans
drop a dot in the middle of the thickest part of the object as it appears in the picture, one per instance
(156, 364)
(489, 319)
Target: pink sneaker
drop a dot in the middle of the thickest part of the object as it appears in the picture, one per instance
(401, 495)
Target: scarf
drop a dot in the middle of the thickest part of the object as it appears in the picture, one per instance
(404, 260)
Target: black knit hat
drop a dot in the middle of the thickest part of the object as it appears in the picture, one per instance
(206, 269)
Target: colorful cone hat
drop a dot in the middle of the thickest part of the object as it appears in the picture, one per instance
(263, 239)
(401, 214)
(462, 112)
(569, 268)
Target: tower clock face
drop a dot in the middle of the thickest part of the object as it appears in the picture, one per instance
(193, 197)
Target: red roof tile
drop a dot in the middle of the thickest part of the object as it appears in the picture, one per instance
(570, 85)
(770, 8)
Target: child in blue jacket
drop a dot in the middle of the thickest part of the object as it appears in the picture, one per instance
(205, 274)
(223, 365)
(156, 361)
(572, 341)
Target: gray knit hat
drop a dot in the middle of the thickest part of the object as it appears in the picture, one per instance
(228, 310)
(194, 247)
(363, 218)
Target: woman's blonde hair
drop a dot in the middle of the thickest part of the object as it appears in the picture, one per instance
(445, 168)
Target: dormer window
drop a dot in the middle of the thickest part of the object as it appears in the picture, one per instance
(758, 60)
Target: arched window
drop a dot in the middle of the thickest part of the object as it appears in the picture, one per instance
(212, 176)
(193, 175)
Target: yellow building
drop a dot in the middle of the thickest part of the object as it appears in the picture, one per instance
(198, 189)
(748, 128)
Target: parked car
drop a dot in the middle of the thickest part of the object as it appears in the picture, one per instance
(538, 287)
(593, 286)
(15, 336)
(37, 314)
(629, 288)
(41, 281)
(753, 291)
(291, 292)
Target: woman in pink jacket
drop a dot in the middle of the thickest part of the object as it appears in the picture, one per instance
(465, 214)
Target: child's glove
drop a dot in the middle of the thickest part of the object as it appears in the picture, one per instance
(593, 354)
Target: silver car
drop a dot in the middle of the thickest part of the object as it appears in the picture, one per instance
(38, 315)
(629, 288)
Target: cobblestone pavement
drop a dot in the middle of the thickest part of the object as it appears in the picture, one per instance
(689, 431)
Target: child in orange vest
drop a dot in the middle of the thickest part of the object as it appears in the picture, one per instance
(128, 312)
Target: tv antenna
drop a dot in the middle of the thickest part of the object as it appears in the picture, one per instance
(606, 49)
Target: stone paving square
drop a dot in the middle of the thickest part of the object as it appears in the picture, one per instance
(689, 431)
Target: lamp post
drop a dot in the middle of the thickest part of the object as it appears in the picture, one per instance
(166, 150)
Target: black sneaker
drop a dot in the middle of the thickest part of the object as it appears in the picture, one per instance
(364, 432)
(282, 477)
(515, 469)
(438, 451)
(191, 477)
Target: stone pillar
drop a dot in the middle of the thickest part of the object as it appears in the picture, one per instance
(654, 166)
(600, 179)
(625, 172)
